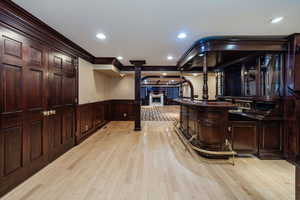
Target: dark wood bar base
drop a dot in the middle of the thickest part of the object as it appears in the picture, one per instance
(205, 126)
(213, 128)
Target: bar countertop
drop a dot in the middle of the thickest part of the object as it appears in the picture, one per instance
(208, 103)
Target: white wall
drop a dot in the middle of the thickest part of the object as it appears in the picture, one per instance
(96, 86)
(92, 84)
(122, 87)
(197, 82)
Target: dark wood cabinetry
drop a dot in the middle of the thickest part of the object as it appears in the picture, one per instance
(37, 100)
(292, 101)
(244, 136)
(271, 139)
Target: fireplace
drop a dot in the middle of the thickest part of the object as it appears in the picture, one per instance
(156, 99)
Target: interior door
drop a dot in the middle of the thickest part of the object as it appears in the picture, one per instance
(35, 87)
(61, 121)
(23, 74)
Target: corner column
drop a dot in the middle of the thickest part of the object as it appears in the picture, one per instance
(137, 92)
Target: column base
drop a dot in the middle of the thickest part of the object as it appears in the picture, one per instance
(137, 129)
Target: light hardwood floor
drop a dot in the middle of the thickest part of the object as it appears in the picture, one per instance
(117, 163)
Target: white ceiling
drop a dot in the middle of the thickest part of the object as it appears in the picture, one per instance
(147, 29)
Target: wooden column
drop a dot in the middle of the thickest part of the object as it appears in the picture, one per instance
(181, 88)
(137, 92)
(205, 86)
(258, 78)
(217, 84)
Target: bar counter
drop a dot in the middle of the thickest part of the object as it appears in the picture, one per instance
(226, 126)
(205, 125)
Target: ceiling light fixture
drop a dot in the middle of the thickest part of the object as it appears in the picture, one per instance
(181, 35)
(194, 74)
(101, 36)
(164, 74)
(120, 58)
(170, 58)
(276, 20)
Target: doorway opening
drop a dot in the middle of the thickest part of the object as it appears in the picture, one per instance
(157, 96)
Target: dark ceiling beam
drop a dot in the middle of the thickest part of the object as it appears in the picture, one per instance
(155, 76)
(104, 60)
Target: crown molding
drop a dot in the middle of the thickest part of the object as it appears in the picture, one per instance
(14, 17)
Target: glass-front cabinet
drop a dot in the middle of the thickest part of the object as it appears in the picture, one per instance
(257, 76)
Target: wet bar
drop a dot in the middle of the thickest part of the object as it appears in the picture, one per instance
(256, 94)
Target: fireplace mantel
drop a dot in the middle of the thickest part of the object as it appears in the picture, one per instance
(156, 99)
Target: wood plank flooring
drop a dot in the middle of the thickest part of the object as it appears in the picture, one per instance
(117, 163)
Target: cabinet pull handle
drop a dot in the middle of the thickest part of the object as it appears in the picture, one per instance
(46, 113)
(52, 112)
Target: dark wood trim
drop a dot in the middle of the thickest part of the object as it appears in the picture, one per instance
(90, 118)
(137, 92)
(21, 20)
(16, 18)
(103, 60)
(234, 43)
(205, 78)
(93, 116)
(239, 60)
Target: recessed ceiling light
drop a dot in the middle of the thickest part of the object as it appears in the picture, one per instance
(120, 58)
(170, 58)
(276, 20)
(165, 74)
(194, 74)
(101, 36)
(181, 35)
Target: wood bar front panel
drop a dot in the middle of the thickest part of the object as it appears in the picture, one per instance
(244, 136)
(271, 134)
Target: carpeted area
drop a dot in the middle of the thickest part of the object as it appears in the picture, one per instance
(160, 113)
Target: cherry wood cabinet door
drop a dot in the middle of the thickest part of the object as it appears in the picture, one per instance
(23, 79)
(61, 100)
